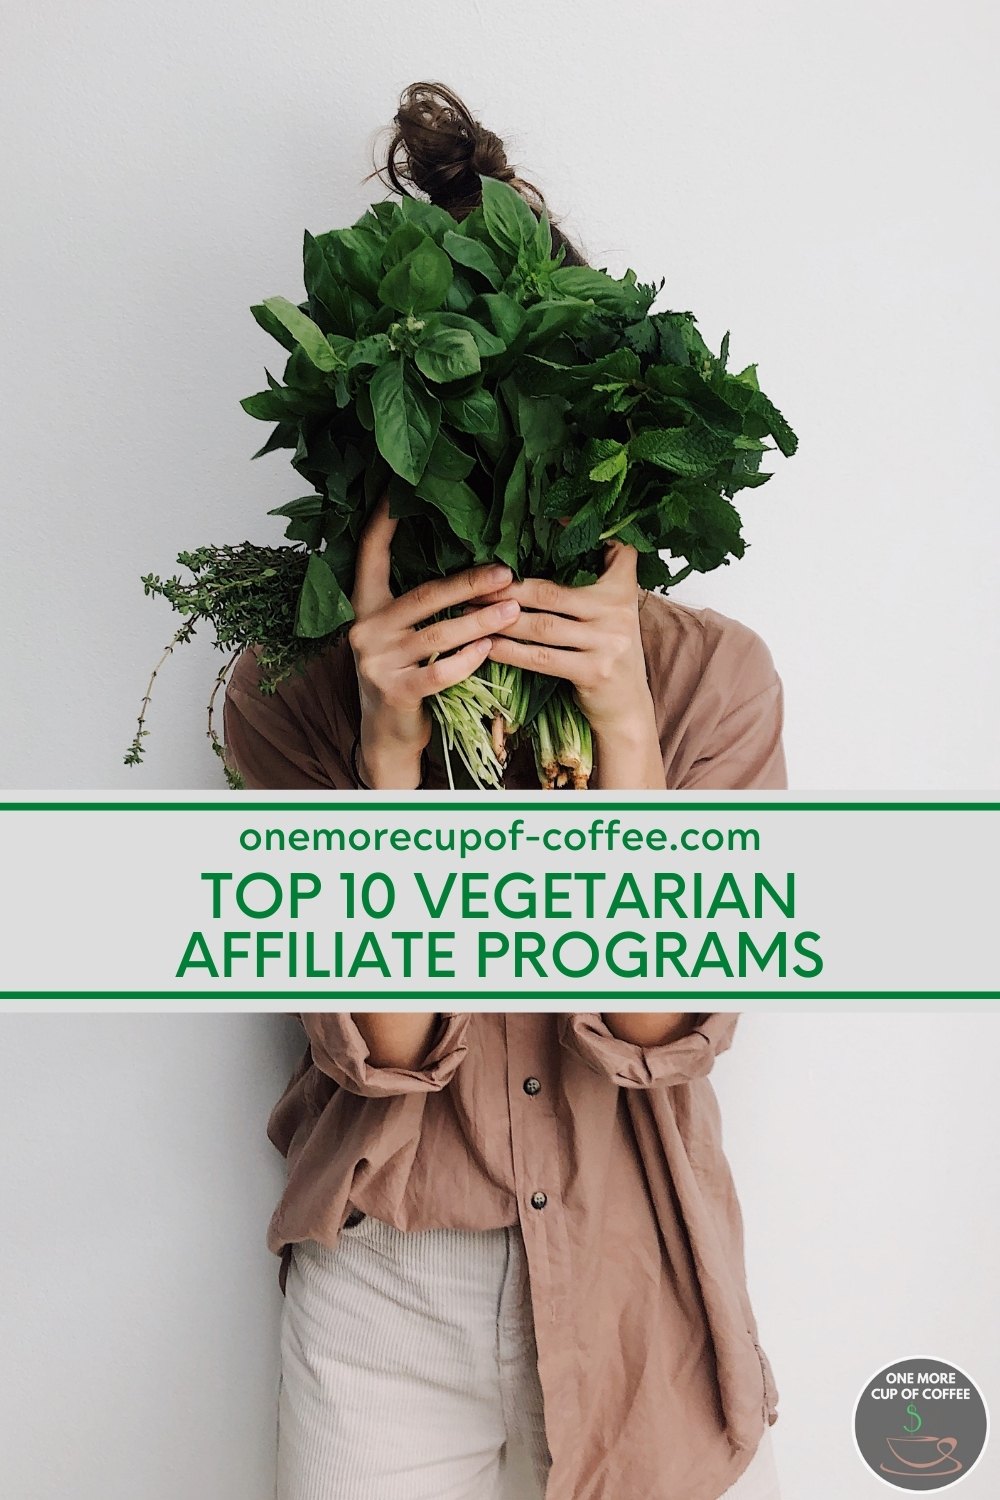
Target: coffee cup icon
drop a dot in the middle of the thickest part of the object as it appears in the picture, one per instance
(923, 1455)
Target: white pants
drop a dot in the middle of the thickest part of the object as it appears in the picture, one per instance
(409, 1372)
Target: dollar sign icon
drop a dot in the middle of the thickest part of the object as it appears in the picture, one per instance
(911, 1411)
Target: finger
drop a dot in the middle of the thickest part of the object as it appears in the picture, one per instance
(551, 630)
(547, 660)
(553, 598)
(371, 573)
(445, 671)
(621, 562)
(436, 594)
(449, 635)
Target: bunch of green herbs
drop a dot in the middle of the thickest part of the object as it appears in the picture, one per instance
(516, 409)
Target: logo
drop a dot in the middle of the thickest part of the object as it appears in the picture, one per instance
(921, 1425)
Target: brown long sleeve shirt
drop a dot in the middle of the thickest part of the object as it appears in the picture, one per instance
(608, 1154)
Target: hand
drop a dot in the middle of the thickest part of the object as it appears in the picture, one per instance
(590, 637)
(390, 652)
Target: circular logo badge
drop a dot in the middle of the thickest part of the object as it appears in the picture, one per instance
(921, 1424)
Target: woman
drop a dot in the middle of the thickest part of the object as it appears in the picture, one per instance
(513, 1239)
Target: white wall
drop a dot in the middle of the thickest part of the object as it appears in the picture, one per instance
(139, 1316)
(817, 178)
(138, 1325)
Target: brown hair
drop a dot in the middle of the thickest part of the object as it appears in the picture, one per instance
(441, 149)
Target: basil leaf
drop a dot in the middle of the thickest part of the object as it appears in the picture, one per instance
(476, 412)
(322, 605)
(590, 285)
(515, 507)
(283, 436)
(407, 417)
(506, 315)
(473, 256)
(430, 217)
(419, 281)
(308, 505)
(460, 505)
(354, 256)
(446, 354)
(280, 405)
(487, 343)
(273, 325)
(375, 350)
(308, 336)
(447, 460)
(509, 221)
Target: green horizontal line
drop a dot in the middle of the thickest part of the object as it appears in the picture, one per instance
(409, 994)
(555, 804)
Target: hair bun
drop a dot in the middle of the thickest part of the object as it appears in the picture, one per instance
(441, 149)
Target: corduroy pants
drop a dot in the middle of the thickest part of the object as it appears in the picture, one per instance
(408, 1371)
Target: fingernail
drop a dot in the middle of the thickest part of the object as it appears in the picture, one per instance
(499, 574)
(508, 609)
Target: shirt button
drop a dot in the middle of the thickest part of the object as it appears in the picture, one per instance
(532, 1086)
(538, 1200)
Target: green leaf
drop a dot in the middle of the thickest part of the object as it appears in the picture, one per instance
(748, 376)
(407, 417)
(515, 506)
(693, 451)
(610, 468)
(273, 325)
(444, 354)
(375, 350)
(582, 533)
(430, 217)
(326, 289)
(307, 505)
(473, 256)
(401, 243)
(281, 405)
(447, 460)
(542, 244)
(364, 409)
(322, 606)
(506, 315)
(774, 423)
(285, 435)
(487, 343)
(420, 281)
(305, 519)
(652, 572)
(545, 321)
(717, 532)
(560, 497)
(590, 285)
(746, 480)
(541, 422)
(460, 295)
(354, 256)
(476, 412)
(309, 337)
(460, 505)
(509, 220)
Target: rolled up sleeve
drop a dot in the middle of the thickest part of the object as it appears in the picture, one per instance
(339, 1050)
(662, 1065)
